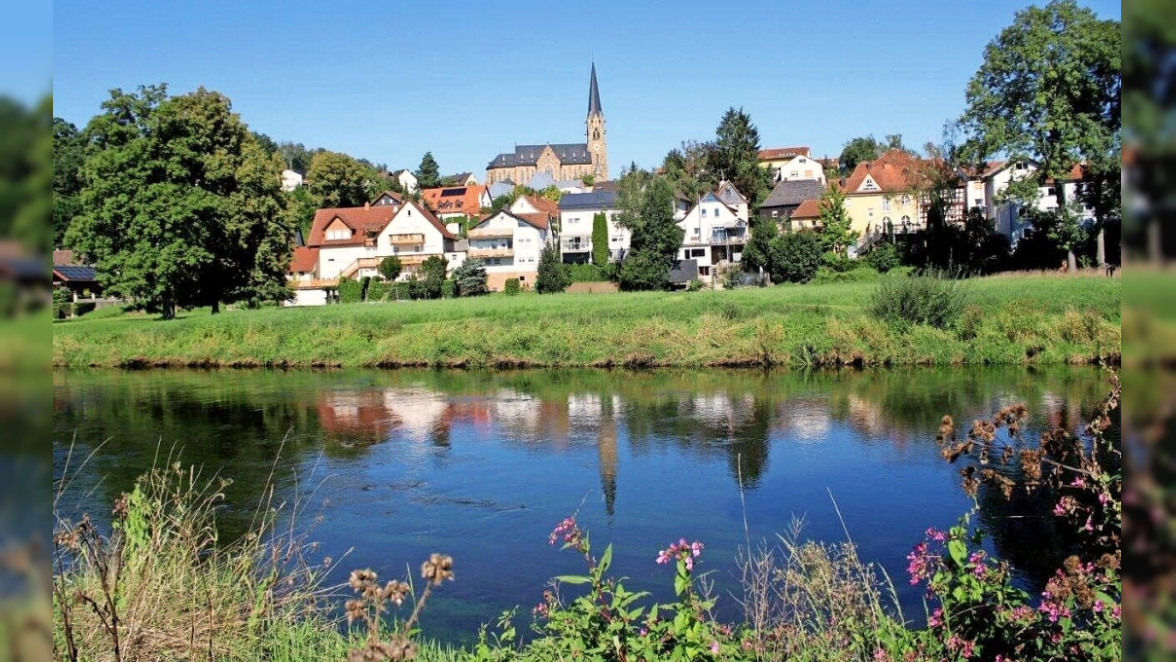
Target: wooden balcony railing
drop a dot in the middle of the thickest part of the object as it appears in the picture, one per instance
(491, 252)
(490, 233)
(401, 239)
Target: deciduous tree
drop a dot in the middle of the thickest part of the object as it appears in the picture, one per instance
(1048, 90)
(837, 232)
(390, 267)
(338, 180)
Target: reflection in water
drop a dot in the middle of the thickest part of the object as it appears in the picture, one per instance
(411, 462)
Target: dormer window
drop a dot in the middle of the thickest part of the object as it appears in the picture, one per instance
(337, 234)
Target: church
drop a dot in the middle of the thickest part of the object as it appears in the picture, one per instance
(562, 161)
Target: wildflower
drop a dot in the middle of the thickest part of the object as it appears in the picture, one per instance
(917, 568)
(566, 529)
(881, 656)
(714, 648)
(361, 579)
(936, 535)
(967, 651)
(1078, 482)
(681, 550)
(120, 507)
(438, 568)
(1117, 612)
(354, 610)
(540, 610)
(1098, 606)
(395, 592)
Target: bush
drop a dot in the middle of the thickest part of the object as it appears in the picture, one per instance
(404, 290)
(600, 240)
(449, 289)
(83, 307)
(378, 290)
(350, 291)
(390, 267)
(644, 270)
(694, 286)
(794, 257)
(553, 274)
(883, 257)
(931, 300)
(512, 287)
(433, 275)
(586, 273)
(839, 263)
(470, 278)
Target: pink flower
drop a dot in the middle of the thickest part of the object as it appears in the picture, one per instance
(681, 550)
(566, 529)
(1098, 606)
(714, 648)
(1078, 482)
(937, 536)
(936, 618)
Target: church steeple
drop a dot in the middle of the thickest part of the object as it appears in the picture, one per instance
(596, 140)
(594, 95)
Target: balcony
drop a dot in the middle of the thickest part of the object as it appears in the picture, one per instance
(313, 284)
(729, 236)
(500, 251)
(576, 244)
(402, 239)
(491, 233)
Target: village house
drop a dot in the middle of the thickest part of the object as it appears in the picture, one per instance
(460, 179)
(807, 216)
(81, 280)
(576, 218)
(456, 201)
(408, 181)
(791, 164)
(563, 161)
(880, 198)
(388, 198)
(715, 236)
(1007, 216)
(509, 242)
(291, 179)
(351, 242)
(787, 196)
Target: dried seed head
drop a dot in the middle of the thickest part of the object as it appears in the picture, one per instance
(439, 567)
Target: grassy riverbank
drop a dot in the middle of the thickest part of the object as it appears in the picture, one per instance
(1009, 319)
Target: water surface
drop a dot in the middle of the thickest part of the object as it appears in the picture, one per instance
(483, 465)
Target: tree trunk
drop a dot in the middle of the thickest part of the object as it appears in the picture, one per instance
(1071, 261)
(215, 307)
(168, 309)
(1153, 242)
(1102, 248)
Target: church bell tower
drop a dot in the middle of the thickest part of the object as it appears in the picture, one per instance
(596, 139)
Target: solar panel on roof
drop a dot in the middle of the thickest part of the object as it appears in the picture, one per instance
(450, 192)
(76, 273)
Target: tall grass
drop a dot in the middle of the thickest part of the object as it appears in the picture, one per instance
(786, 324)
(934, 300)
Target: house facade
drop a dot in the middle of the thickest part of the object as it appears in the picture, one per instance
(714, 236)
(787, 196)
(350, 242)
(509, 244)
(408, 181)
(880, 198)
(577, 212)
(791, 164)
(562, 161)
(1008, 217)
(291, 179)
(456, 201)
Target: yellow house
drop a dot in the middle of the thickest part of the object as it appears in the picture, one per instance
(880, 199)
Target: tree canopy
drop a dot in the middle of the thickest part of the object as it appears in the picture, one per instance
(26, 173)
(647, 211)
(429, 173)
(867, 148)
(1049, 90)
(735, 156)
(338, 180)
(181, 206)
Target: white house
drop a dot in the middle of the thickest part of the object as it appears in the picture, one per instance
(408, 181)
(304, 278)
(576, 217)
(715, 236)
(800, 167)
(1005, 215)
(291, 179)
(730, 196)
(509, 244)
(352, 241)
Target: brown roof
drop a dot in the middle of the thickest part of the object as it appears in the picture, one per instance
(391, 194)
(304, 260)
(454, 199)
(783, 153)
(543, 204)
(538, 220)
(358, 219)
(808, 209)
(892, 172)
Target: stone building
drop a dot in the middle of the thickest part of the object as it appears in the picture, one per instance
(562, 161)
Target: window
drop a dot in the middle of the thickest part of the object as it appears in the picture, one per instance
(794, 173)
(716, 212)
(1019, 166)
(335, 234)
(618, 239)
(704, 213)
(522, 279)
(697, 252)
(906, 200)
(1051, 191)
(802, 160)
(885, 204)
(870, 212)
(704, 271)
(979, 202)
(775, 213)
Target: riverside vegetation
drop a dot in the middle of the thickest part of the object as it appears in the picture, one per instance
(901, 320)
(158, 584)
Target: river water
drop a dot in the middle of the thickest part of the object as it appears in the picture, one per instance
(388, 466)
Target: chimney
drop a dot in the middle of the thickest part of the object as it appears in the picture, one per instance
(367, 206)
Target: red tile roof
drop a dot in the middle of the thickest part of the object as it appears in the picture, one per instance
(454, 199)
(893, 172)
(304, 260)
(808, 209)
(774, 153)
(64, 259)
(543, 204)
(363, 220)
(538, 220)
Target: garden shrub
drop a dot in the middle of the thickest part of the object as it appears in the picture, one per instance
(470, 278)
(930, 300)
(449, 288)
(794, 257)
(83, 307)
(553, 274)
(694, 285)
(378, 290)
(350, 291)
(883, 257)
(512, 287)
(586, 273)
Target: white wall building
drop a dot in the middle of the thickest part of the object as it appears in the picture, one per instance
(509, 244)
(291, 179)
(576, 214)
(715, 236)
(408, 181)
(1006, 216)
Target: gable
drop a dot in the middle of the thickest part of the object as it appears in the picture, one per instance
(868, 185)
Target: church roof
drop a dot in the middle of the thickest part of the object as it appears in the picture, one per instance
(567, 153)
(593, 94)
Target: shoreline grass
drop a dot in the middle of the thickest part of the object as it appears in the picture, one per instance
(1031, 319)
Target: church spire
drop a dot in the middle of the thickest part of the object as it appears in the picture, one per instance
(594, 95)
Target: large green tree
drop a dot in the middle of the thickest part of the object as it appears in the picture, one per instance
(181, 206)
(69, 152)
(338, 180)
(836, 232)
(428, 174)
(26, 173)
(859, 150)
(735, 157)
(647, 211)
(757, 253)
(1048, 90)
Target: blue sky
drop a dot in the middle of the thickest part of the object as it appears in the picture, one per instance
(388, 81)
